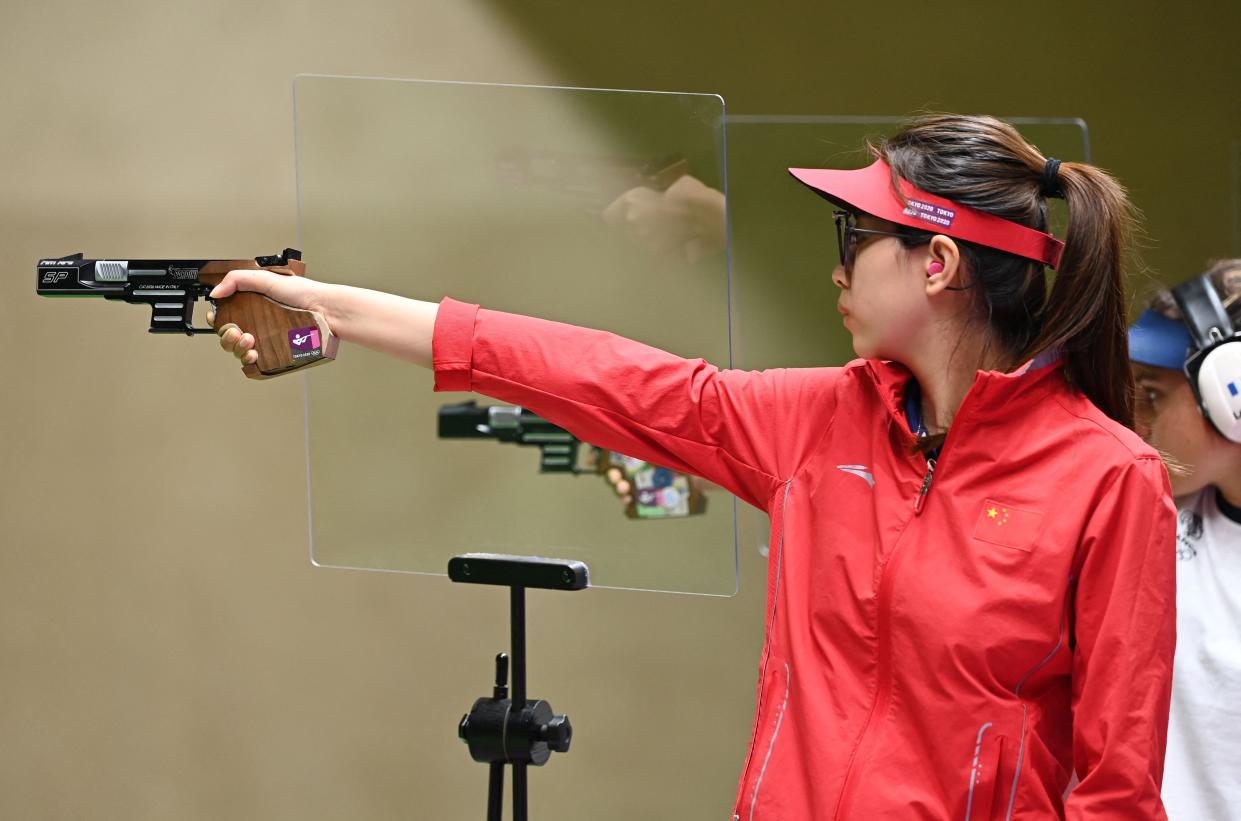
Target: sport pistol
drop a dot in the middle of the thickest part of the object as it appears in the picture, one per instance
(287, 339)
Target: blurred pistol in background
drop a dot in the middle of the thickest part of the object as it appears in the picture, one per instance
(287, 339)
(658, 493)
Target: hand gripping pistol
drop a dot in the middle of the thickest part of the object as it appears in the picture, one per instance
(287, 339)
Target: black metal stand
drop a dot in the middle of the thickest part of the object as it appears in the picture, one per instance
(516, 731)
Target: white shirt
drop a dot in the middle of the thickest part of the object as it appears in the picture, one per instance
(1202, 775)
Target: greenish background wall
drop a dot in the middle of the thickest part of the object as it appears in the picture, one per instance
(166, 651)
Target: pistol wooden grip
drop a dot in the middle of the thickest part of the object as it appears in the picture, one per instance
(287, 339)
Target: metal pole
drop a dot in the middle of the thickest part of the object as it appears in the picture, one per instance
(518, 648)
(519, 792)
(495, 793)
(518, 601)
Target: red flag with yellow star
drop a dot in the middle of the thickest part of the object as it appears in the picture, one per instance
(1008, 526)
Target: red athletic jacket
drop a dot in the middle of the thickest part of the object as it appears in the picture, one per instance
(951, 652)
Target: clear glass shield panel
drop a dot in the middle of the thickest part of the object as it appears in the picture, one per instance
(595, 207)
(783, 243)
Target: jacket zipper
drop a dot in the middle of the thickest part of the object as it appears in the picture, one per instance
(884, 672)
(920, 502)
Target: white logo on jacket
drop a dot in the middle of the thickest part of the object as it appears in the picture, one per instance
(860, 471)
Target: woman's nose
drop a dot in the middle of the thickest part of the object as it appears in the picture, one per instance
(839, 277)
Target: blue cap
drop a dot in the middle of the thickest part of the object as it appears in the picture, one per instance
(1159, 342)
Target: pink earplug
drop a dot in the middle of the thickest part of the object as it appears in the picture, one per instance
(934, 268)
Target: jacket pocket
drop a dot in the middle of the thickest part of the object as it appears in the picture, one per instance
(984, 774)
(750, 806)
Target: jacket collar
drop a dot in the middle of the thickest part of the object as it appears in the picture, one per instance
(994, 394)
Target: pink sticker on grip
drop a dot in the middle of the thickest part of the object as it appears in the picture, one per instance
(304, 343)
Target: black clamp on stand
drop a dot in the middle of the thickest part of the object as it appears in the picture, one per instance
(517, 731)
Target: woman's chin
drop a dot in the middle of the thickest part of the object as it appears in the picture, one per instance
(864, 350)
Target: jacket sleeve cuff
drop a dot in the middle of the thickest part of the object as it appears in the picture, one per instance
(452, 345)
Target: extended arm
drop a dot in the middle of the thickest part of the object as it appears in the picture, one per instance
(745, 431)
(383, 322)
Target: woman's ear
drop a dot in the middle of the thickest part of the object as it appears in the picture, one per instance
(942, 265)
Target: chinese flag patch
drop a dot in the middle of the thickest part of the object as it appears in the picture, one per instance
(1007, 526)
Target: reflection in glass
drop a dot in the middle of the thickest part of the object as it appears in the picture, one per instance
(599, 208)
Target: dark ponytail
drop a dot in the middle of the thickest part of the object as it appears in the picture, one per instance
(1085, 317)
(985, 164)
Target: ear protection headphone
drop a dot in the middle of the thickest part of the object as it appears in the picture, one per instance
(1214, 364)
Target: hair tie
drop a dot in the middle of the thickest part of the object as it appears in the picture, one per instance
(1051, 179)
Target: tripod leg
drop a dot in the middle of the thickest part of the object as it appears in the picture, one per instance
(495, 793)
(519, 792)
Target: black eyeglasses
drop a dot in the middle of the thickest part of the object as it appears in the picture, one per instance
(849, 236)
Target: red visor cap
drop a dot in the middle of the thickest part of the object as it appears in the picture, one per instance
(869, 190)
